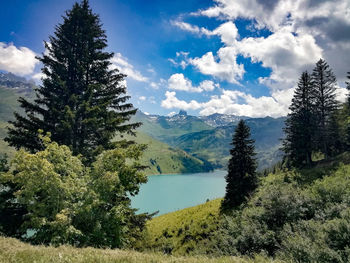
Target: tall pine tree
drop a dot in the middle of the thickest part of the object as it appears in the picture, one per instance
(300, 124)
(241, 178)
(82, 102)
(324, 86)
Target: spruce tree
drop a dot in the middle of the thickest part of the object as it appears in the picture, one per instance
(241, 178)
(300, 124)
(348, 88)
(82, 102)
(324, 86)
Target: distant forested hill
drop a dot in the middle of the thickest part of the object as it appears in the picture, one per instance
(209, 138)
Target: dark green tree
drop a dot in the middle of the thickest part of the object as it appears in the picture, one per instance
(324, 87)
(347, 118)
(241, 178)
(82, 102)
(300, 124)
(348, 88)
(12, 213)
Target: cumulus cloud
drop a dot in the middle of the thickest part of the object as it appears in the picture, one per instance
(234, 102)
(172, 102)
(142, 98)
(122, 64)
(223, 68)
(179, 82)
(19, 61)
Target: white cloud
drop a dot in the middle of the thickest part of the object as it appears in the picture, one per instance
(19, 61)
(172, 102)
(192, 28)
(235, 103)
(224, 68)
(121, 63)
(179, 82)
(142, 98)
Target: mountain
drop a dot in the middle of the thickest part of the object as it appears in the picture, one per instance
(164, 159)
(218, 120)
(10, 80)
(165, 128)
(209, 137)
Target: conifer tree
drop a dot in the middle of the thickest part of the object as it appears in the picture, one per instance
(241, 178)
(324, 86)
(300, 124)
(82, 102)
(348, 88)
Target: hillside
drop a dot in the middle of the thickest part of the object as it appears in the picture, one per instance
(14, 251)
(182, 231)
(163, 159)
(214, 144)
(294, 215)
(166, 128)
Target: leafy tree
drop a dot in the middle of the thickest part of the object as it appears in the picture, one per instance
(82, 101)
(10, 210)
(300, 125)
(69, 203)
(324, 83)
(241, 178)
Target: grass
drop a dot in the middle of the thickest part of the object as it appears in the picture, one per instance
(182, 231)
(14, 251)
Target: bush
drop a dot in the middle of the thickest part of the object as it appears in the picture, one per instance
(69, 203)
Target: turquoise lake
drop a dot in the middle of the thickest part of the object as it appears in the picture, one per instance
(168, 193)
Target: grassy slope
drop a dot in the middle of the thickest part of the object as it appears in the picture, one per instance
(161, 158)
(9, 104)
(14, 251)
(182, 230)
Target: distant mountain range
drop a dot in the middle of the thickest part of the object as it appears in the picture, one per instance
(209, 137)
(177, 144)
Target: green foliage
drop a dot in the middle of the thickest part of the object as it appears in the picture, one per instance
(314, 122)
(81, 102)
(325, 104)
(288, 217)
(69, 203)
(300, 124)
(241, 178)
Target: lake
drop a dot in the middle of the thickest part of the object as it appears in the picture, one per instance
(168, 193)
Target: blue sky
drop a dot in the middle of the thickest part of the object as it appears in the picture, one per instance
(227, 56)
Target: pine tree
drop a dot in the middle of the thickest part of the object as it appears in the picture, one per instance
(82, 102)
(324, 83)
(348, 88)
(347, 110)
(300, 124)
(241, 178)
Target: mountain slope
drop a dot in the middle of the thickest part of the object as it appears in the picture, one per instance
(165, 128)
(212, 143)
(163, 159)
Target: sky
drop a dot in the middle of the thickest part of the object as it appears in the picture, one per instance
(203, 56)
